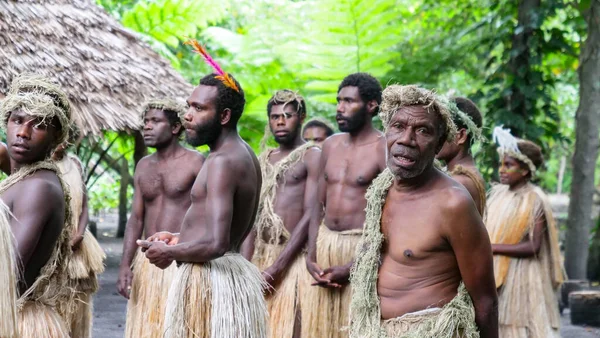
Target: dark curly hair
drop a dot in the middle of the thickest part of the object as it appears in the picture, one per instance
(314, 123)
(468, 107)
(368, 86)
(226, 97)
(533, 152)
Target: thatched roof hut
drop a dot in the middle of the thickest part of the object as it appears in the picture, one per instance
(107, 70)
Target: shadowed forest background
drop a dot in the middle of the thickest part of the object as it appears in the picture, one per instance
(523, 62)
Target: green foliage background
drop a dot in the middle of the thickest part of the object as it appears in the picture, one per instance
(460, 48)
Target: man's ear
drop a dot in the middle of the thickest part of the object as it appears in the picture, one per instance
(461, 137)
(225, 116)
(372, 107)
(176, 129)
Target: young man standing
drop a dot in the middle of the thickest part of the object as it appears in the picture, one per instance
(216, 292)
(349, 163)
(457, 153)
(289, 174)
(36, 115)
(162, 185)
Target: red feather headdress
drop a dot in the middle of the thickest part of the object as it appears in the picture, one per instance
(224, 77)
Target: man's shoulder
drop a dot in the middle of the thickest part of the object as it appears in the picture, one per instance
(453, 197)
(193, 155)
(334, 140)
(43, 184)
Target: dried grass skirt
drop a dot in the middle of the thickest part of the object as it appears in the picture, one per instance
(148, 298)
(455, 320)
(222, 298)
(325, 313)
(284, 303)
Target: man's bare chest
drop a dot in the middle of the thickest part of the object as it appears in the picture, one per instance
(167, 183)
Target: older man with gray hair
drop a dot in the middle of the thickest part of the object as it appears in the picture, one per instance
(424, 264)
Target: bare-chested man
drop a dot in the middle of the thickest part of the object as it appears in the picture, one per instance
(215, 292)
(457, 154)
(162, 186)
(316, 130)
(349, 162)
(288, 193)
(36, 115)
(425, 264)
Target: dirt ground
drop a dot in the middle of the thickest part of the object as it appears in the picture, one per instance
(110, 307)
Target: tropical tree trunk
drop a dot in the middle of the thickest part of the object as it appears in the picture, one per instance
(586, 148)
(140, 149)
(520, 63)
(123, 198)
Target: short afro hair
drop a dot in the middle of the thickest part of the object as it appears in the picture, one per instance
(226, 97)
(532, 151)
(368, 86)
(468, 107)
(317, 123)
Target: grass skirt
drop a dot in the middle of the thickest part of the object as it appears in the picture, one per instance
(148, 298)
(222, 298)
(325, 313)
(284, 303)
(8, 277)
(38, 320)
(455, 320)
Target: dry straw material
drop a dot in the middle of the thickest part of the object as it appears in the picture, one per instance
(106, 70)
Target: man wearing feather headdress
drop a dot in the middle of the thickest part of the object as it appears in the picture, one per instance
(349, 163)
(289, 175)
(216, 292)
(36, 115)
(457, 153)
(161, 197)
(421, 272)
(527, 261)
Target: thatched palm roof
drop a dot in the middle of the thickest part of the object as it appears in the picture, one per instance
(106, 70)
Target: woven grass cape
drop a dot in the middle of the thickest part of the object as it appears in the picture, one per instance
(52, 289)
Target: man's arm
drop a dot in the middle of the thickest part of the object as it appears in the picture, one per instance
(317, 215)
(470, 241)
(220, 191)
(528, 247)
(133, 232)
(299, 235)
(27, 226)
(247, 248)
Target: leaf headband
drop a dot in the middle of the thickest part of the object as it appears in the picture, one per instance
(222, 76)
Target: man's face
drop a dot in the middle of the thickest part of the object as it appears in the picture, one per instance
(29, 140)
(451, 148)
(285, 123)
(315, 134)
(202, 122)
(448, 152)
(412, 141)
(511, 171)
(157, 130)
(352, 112)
